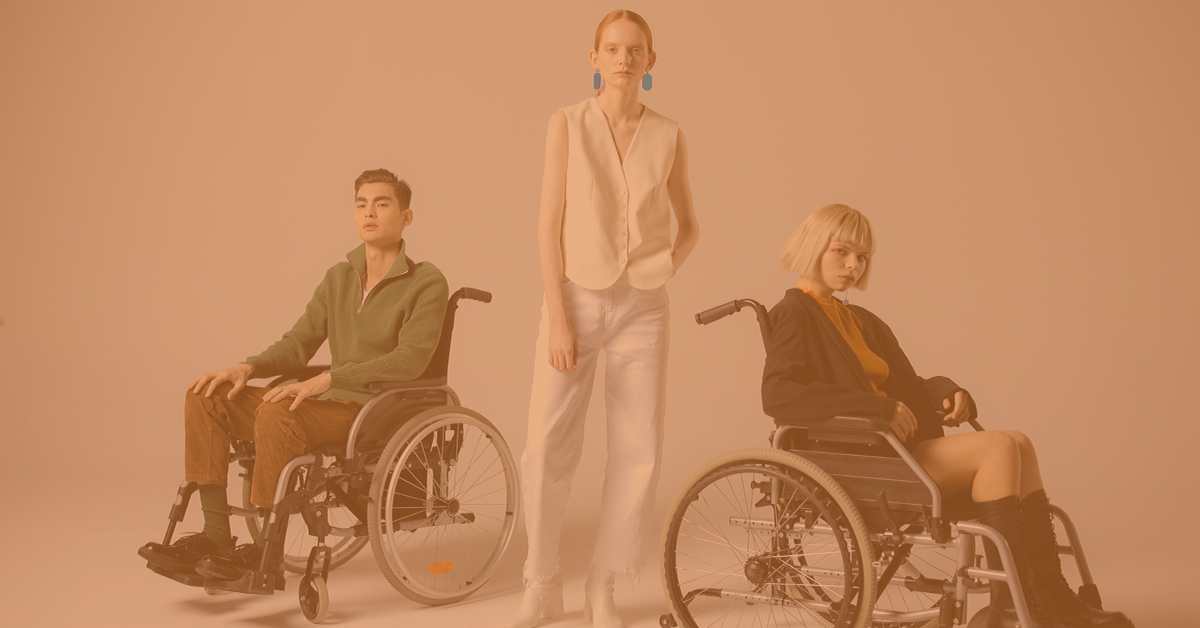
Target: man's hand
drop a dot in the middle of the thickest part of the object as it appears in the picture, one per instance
(564, 346)
(238, 374)
(904, 422)
(301, 390)
(961, 408)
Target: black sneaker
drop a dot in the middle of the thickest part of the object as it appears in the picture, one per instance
(182, 555)
(233, 563)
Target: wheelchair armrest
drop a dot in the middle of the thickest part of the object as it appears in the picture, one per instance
(844, 429)
(855, 423)
(407, 385)
(847, 423)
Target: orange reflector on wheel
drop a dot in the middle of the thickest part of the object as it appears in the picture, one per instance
(441, 569)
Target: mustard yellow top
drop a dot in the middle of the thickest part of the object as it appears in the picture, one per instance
(851, 329)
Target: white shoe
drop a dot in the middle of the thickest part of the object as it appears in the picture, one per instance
(598, 605)
(543, 598)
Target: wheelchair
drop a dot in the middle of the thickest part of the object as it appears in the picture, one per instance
(430, 484)
(803, 534)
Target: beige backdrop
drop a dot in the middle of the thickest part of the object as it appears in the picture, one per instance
(177, 176)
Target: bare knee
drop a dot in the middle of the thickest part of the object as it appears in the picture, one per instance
(1024, 443)
(1003, 445)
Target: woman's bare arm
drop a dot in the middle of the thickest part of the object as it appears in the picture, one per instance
(563, 347)
(679, 190)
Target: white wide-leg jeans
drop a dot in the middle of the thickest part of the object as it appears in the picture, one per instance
(632, 327)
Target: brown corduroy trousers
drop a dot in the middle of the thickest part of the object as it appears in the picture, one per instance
(278, 434)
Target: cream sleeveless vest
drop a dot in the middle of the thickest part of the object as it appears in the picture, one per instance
(617, 219)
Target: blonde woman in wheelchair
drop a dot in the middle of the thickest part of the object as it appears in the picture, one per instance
(826, 358)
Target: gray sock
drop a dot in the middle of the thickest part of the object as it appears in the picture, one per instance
(216, 514)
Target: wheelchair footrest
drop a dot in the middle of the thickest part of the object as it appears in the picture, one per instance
(254, 582)
(192, 580)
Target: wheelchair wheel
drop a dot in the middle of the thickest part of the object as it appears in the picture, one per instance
(733, 555)
(314, 598)
(298, 543)
(444, 502)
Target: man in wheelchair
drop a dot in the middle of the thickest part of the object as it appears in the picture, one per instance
(382, 314)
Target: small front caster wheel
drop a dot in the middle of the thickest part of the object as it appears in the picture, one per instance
(667, 621)
(212, 591)
(314, 598)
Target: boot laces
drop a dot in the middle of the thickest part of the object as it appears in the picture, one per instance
(242, 554)
(190, 541)
(1056, 582)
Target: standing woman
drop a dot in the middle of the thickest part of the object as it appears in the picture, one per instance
(604, 241)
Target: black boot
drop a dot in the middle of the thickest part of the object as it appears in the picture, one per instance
(1004, 516)
(1050, 588)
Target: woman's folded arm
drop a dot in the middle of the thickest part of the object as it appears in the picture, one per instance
(791, 392)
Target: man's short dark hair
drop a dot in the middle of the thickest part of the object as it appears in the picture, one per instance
(403, 192)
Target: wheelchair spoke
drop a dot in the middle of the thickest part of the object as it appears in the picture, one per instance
(733, 548)
(477, 481)
(463, 540)
(701, 560)
(456, 513)
(468, 491)
(744, 550)
(931, 565)
(487, 494)
(476, 452)
(734, 503)
(476, 526)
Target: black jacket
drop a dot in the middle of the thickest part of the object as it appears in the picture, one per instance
(811, 372)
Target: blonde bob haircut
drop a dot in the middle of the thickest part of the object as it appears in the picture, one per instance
(832, 223)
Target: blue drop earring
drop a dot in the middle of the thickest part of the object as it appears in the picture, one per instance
(596, 80)
(647, 81)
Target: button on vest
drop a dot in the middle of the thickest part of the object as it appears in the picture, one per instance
(617, 219)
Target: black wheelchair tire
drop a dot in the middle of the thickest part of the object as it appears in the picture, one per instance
(794, 466)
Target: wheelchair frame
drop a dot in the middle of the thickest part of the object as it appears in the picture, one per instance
(380, 420)
(888, 547)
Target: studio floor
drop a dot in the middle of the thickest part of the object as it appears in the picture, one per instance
(106, 584)
(103, 583)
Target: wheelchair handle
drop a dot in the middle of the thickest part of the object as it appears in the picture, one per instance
(475, 294)
(721, 311)
(717, 313)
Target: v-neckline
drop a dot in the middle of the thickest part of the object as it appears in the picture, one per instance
(613, 138)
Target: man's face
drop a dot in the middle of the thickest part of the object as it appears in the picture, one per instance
(378, 216)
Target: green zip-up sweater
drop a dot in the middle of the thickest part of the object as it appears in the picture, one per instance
(389, 337)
